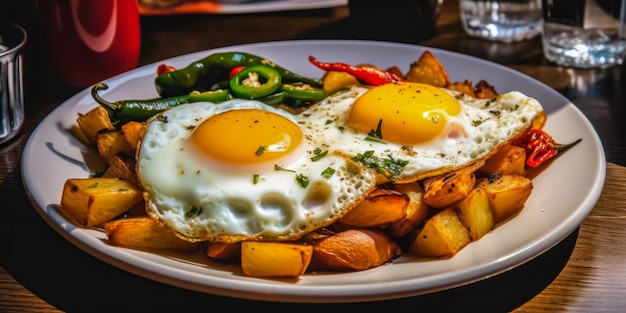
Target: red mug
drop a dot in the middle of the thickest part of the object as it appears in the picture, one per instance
(90, 40)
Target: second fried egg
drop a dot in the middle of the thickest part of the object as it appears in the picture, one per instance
(418, 130)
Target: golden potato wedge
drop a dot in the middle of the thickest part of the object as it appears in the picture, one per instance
(507, 194)
(274, 259)
(443, 235)
(444, 190)
(230, 252)
(416, 211)
(380, 208)
(93, 201)
(111, 142)
(94, 121)
(474, 212)
(354, 250)
(428, 70)
(123, 167)
(145, 233)
(334, 81)
(509, 159)
(133, 132)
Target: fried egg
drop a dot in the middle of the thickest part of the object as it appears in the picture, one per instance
(411, 131)
(243, 170)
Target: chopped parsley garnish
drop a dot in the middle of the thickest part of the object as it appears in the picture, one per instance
(95, 185)
(328, 172)
(302, 180)
(280, 168)
(329, 122)
(476, 122)
(389, 167)
(97, 174)
(195, 211)
(260, 150)
(376, 135)
(378, 132)
(255, 178)
(318, 154)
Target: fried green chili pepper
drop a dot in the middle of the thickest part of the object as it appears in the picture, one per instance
(255, 81)
(300, 91)
(202, 74)
(121, 112)
(274, 99)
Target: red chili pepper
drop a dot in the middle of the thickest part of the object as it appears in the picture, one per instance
(540, 146)
(368, 75)
(164, 69)
(235, 71)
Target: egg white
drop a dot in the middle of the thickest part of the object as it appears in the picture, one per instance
(202, 199)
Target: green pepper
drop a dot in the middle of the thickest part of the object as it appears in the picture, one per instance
(301, 91)
(202, 74)
(255, 81)
(121, 112)
(274, 99)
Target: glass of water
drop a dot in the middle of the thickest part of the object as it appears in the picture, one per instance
(502, 20)
(12, 41)
(584, 33)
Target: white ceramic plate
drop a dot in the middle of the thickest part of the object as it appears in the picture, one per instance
(562, 197)
(244, 6)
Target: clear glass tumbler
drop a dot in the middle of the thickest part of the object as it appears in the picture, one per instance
(12, 41)
(585, 33)
(502, 20)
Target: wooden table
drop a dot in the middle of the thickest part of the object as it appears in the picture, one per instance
(42, 272)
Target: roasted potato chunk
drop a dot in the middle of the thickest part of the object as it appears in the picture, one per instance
(509, 159)
(123, 167)
(483, 90)
(334, 80)
(133, 132)
(223, 251)
(145, 233)
(507, 194)
(354, 250)
(444, 190)
(416, 211)
(274, 259)
(465, 87)
(428, 70)
(380, 208)
(94, 121)
(475, 213)
(443, 235)
(93, 201)
(112, 142)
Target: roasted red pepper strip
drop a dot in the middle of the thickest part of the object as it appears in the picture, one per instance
(164, 69)
(235, 71)
(367, 75)
(540, 146)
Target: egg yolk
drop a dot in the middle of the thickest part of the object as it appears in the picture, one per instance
(408, 113)
(247, 136)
